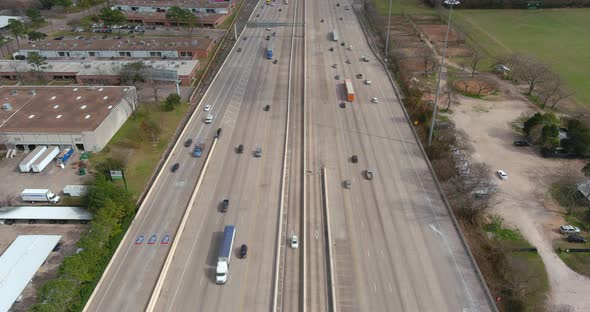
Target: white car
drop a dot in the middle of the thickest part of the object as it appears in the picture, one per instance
(207, 108)
(374, 100)
(209, 119)
(368, 82)
(268, 28)
(294, 242)
(569, 229)
(502, 174)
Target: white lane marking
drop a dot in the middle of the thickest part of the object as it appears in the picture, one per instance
(382, 254)
(201, 281)
(374, 287)
(433, 227)
(390, 290)
(362, 224)
(368, 253)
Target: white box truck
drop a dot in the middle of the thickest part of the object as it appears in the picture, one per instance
(45, 159)
(75, 190)
(39, 195)
(229, 233)
(25, 165)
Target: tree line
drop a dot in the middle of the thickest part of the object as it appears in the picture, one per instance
(513, 4)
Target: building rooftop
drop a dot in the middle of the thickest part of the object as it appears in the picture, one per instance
(44, 213)
(96, 67)
(125, 44)
(55, 109)
(20, 262)
(178, 3)
(4, 20)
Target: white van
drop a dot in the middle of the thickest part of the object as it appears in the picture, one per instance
(209, 119)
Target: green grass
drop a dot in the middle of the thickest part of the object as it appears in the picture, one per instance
(145, 155)
(528, 266)
(556, 36)
(402, 6)
(577, 261)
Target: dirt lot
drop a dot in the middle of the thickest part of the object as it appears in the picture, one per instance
(523, 199)
(53, 177)
(70, 236)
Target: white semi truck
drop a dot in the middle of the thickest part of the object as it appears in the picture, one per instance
(25, 165)
(45, 159)
(224, 258)
(39, 195)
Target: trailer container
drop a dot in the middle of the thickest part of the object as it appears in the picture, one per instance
(334, 35)
(45, 159)
(349, 90)
(223, 260)
(25, 165)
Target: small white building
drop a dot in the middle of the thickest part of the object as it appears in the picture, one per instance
(4, 20)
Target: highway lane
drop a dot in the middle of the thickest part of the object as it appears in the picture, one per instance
(395, 246)
(251, 184)
(136, 268)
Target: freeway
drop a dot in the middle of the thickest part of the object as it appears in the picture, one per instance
(395, 246)
(245, 84)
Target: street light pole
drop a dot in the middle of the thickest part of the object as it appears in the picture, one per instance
(388, 27)
(442, 62)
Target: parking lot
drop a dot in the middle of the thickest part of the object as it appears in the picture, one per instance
(70, 235)
(53, 177)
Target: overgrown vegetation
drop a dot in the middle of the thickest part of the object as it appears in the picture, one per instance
(113, 209)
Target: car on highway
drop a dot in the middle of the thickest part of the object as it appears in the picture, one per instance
(240, 149)
(280, 10)
(342, 104)
(165, 240)
(335, 66)
(369, 174)
(359, 76)
(268, 28)
(153, 239)
(347, 184)
(576, 239)
(243, 251)
(175, 167)
(502, 174)
(188, 142)
(139, 240)
(294, 242)
(244, 38)
(522, 143)
(340, 18)
(266, 108)
(342, 43)
(267, 38)
(209, 119)
(331, 49)
(207, 108)
(374, 100)
(322, 21)
(258, 152)
(197, 151)
(366, 59)
(354, 159)
(569, 229)
(337, 77)
(275, 61)
(337, 4)
(225, 205)
(368, 82)
(274, 34)
(347, 61)
(239, 49)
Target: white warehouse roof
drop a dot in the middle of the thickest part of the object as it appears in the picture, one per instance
(20, 262)
(44, 213)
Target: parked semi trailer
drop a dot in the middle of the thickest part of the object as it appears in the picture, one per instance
(229, 233)
(39, 195)
(45, 159)
(25, 165)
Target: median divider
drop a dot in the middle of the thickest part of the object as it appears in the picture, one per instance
(326, 202)
(162, 277)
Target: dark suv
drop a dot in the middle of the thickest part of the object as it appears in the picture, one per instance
(175, 167)
(576, 239)
(225, 205)
(188, 142)
(243, 251)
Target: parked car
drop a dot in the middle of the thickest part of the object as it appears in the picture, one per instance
(225, 205)
(502, 174)
(175, 167)
(569, 229)
(522, 143)
(243, 251)
(576, 239)
(188, 142)
(369, 174)
(240, 148)
(258, 152)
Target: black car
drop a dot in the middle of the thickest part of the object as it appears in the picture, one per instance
(342, 105)
(239, 49)
(175, 167)
(188, 142)
(59, 38)
(359, 76)
(331, 49)
(243, 251)
(218, 133)
(275, 61)
(354, 159)
(240, 148)
(267, 108)
(576, 239)
(522, 143)
(225, 205)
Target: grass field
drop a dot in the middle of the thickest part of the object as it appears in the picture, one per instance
(556, 36)
(402, 6)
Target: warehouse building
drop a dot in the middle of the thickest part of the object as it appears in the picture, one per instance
(94, 72)
(83, 117)
(195, 6)
(154, 48)
(210, 20)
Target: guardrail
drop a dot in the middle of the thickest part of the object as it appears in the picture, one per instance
(378, 56)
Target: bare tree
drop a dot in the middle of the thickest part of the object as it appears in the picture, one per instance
(130, 96)
(155, 89)
(567, 186)
(476, 58)
(15, 68)
(7, 200)
(424, 53)
(534, 73)
(448, 92)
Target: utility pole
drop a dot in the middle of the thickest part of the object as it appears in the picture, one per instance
(387, 38)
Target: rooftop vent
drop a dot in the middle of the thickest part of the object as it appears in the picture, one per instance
(7, 106)
(53, 97)
(31, 116)
(13, 92)
(58, 117)
(83, 107)
(55, 106)
(87, 117)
